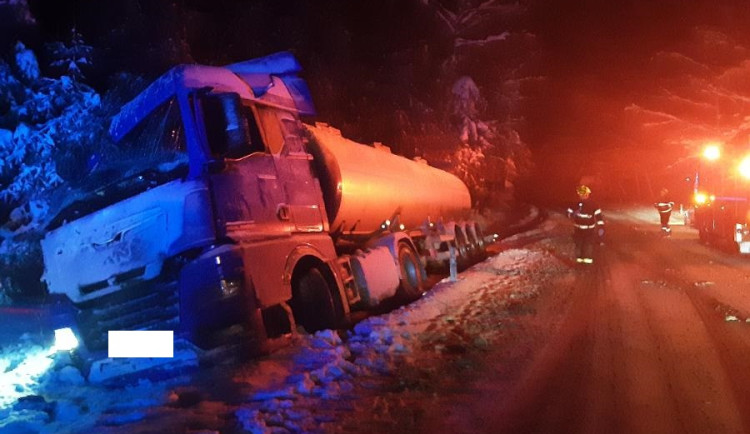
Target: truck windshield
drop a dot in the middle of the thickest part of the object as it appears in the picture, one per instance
(153, 153)
(157, 143)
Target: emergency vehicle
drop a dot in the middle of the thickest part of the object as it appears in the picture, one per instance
(720, 197)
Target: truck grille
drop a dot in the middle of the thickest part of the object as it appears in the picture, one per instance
(152, 306)
(118, 279)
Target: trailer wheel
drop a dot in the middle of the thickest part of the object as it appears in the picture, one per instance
(463, 250)
(412, 282)
(312, 304)
(461, 244)
(481, 253)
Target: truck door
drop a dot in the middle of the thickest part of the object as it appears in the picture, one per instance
(248, 196)
(301, 190)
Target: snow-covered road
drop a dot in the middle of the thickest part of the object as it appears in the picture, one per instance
(655, 339)
(652, 340)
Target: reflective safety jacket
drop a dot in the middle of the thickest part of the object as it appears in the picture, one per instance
(586, 215)
(664, 206)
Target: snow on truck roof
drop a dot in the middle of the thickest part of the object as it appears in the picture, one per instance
(270, 80)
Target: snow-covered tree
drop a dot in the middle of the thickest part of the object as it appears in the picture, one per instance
(487, 51)
(71, 58)
(491, 155)
(465, 108)
(45, 120)
(50, 117)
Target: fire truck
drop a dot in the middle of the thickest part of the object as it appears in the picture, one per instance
(721, 195)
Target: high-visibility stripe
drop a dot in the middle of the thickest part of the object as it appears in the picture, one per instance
(597, 212)
(584, 226)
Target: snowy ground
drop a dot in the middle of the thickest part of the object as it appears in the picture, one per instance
(648, 215)
(309, 386)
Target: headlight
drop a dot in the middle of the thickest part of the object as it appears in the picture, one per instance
(65, 340)
(230, 287)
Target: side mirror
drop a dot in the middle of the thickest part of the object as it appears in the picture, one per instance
(226, 128)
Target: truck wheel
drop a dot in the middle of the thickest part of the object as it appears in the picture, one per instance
(312, 304)
(461, 244)
(412, 283)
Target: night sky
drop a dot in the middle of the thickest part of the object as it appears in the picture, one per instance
(605, 57)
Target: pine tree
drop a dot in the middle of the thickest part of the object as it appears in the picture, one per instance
(72, 58)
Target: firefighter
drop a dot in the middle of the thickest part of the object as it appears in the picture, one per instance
(664, 206)
(589, 225)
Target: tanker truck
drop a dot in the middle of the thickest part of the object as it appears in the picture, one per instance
(218, 209)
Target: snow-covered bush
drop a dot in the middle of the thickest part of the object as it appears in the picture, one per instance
(470, 167)
(26, 62)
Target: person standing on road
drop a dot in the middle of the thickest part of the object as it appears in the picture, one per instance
(664, 206)
(589, 223)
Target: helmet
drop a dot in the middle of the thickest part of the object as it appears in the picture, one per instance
(582, 190)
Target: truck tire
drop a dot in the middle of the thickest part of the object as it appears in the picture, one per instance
(312, 304)
(463, 250)
(462, 244)
(412, 282)
(481, 253)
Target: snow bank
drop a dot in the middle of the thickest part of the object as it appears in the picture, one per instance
(329, 371)
(302, 387)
